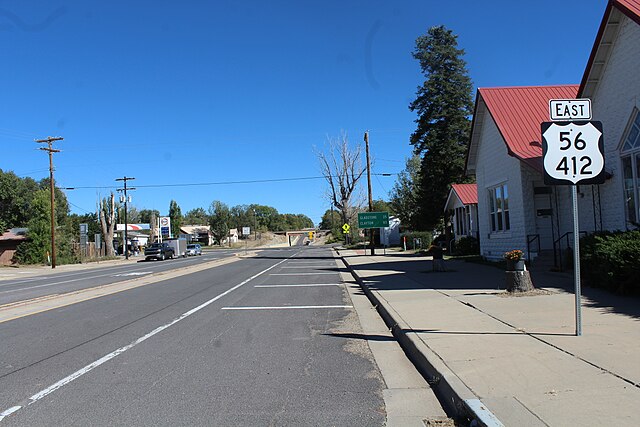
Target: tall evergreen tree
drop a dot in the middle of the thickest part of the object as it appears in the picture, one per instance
(444, 104)
(219, 220)
(405, 194)
(175, 214)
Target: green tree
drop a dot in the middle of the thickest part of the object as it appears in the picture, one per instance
(35, 250)
(146, 216)
(330, 220)
(16, 195)
(405, 200)
(380, 205)
(219, 220)
(197, 216)
(266, 217)
(444, 104)
(175, 214)
(91, 219)
(242, 216)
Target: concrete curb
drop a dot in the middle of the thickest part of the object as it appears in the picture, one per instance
(455, 396)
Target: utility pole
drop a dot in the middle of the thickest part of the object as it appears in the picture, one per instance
(125, 179)
(49, 141)
(372, 230)
(255, 227)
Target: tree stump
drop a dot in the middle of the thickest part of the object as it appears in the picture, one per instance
(519, 281)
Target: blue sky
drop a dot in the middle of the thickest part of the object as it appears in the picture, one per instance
(199, 92)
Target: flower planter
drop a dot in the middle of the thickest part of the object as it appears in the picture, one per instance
(515, 265)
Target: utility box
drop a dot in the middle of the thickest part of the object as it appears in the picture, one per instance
(179, 246)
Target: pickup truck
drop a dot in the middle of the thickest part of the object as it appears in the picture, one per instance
(159, 251)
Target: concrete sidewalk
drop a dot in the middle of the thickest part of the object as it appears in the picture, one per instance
(510, 360)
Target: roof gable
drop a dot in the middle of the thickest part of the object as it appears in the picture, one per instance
(467, 193)
(517, 112)
(602, 46)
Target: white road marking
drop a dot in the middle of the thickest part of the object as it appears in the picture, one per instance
(310, 266)
(66, 380)
(138, 273)
(300, 274)
(298, 286)
(288, 307)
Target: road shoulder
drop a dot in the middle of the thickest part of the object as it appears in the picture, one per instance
(409, 400)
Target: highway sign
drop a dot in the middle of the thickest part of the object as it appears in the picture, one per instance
(570, 109)
(346, 228)
(246, 231)
(573, 153)
(373, 219)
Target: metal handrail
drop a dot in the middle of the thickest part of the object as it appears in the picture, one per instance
(530, 239)
(557, 256)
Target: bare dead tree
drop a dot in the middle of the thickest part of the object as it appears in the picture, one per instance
(153, 222)
(342, 167)
(107, 215)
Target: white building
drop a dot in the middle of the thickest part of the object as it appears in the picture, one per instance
(515, 209)
(390, 236)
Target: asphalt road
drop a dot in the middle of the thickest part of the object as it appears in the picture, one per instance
(57, 282)
(261, 341)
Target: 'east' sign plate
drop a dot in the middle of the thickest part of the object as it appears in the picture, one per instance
(570, 109)
(573, 153)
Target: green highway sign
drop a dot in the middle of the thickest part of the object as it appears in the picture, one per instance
(373, 219)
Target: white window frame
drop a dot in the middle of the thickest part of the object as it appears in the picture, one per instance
(499, 215)
(630, 150)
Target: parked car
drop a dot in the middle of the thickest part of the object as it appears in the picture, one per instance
(194, 249)
(159, 251)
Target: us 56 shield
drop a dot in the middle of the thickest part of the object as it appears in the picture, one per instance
(573, 153)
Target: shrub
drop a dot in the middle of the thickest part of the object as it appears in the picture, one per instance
(611, 260)
(467, 246)
(426, 238)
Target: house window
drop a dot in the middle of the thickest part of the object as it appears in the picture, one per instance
(499, 208)
(630, 156)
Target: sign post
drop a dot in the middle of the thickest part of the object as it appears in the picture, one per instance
(346, 228)
(573, 154)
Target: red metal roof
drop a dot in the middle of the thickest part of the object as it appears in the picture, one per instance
(467, 193)
(631, 8)
(518, 112)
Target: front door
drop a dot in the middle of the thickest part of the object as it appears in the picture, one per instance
(544, 215)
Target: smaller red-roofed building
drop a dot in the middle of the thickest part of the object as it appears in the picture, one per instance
(462, 208)
(515, 209)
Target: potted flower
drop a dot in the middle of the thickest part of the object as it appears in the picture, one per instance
(514, 259)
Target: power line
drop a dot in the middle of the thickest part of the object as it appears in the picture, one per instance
(199, 184)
